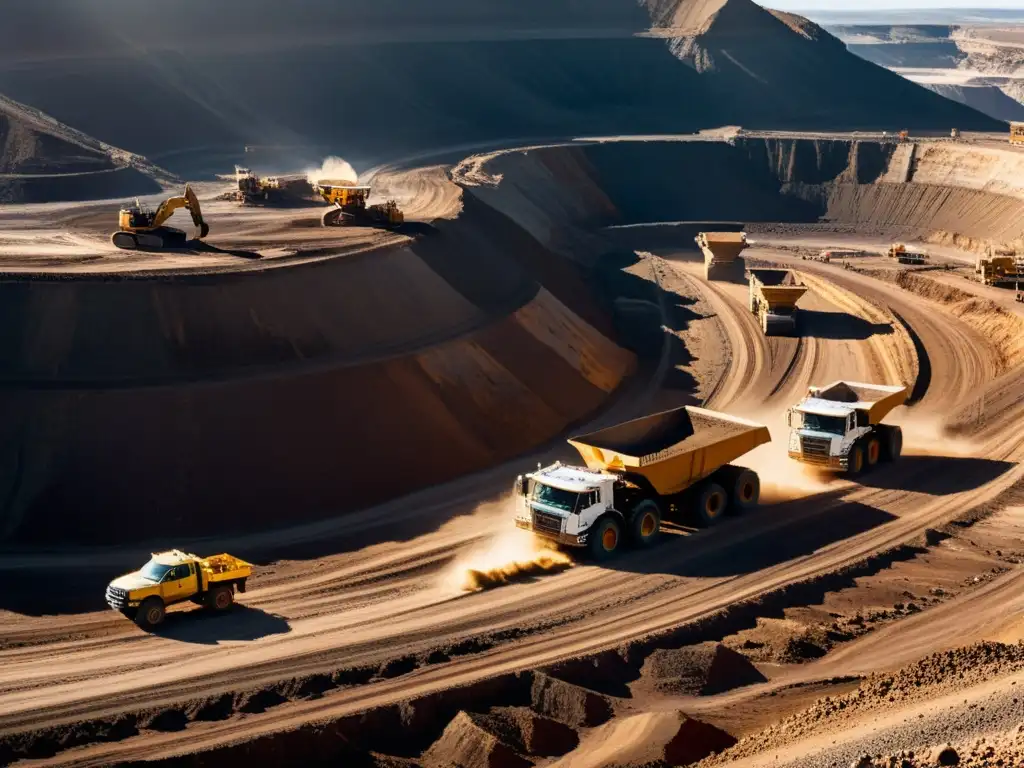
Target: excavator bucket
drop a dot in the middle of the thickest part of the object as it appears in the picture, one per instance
(197, 212)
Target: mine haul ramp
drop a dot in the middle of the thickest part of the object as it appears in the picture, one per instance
(721, 253)
(839, 427)
(773, 297)
(638, 472)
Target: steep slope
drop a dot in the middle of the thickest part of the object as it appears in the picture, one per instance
(252, 73)
(42, 160)
(752, 55)
(990, 99)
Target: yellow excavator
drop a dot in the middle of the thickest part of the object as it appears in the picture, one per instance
(143, 228)
(350, 208)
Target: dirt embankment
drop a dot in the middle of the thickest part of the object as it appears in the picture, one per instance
(960, 193)
(1002, 327)
(42, 160)
(315, 389)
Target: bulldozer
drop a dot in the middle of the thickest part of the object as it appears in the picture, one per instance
(253, 188)
(350, 207)
(143, 228)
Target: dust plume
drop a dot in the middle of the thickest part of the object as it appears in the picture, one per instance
(333, 169)
(504, 555)
(925, 435)
(782, 478)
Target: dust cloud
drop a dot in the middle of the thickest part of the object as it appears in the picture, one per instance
(333, 169)
(928, 436)
(783, 479)
(505, 553)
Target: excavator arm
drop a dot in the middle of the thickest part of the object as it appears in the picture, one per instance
(189, 201)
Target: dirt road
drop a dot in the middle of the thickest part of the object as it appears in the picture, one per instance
(393, 622)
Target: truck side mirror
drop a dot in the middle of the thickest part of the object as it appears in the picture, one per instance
(524, 486)
(789, 419)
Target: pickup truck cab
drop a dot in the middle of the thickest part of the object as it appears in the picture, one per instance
(174, 577)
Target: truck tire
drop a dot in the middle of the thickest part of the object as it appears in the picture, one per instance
(744, 489)
(892, 445)
(220, 598)
(872, 452)
(151, 613)
(712, 503)
(605, 538)
(856, 461)
(645, 523)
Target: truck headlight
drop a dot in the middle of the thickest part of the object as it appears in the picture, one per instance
(794, 442)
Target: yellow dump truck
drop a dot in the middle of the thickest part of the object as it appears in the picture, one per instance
(773, 297)
(721, 253)
(1001, 267)
(839, 427)
(675, 462)
(174, 577)
(350, 206)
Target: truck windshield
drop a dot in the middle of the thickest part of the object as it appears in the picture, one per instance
(833, 425)
(154, 571)
(555, 497)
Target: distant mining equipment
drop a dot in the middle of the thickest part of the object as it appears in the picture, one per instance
(721, 255)
(1002, 268)
(350, 207)
(253, 189)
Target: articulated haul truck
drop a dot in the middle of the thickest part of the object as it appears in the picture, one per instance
(773, 297)
(839, 427)
(637, 472)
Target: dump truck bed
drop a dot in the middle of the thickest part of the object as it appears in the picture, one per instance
(225, 567)
(876, 399)
(674, 449)
(778, 287)
(722, 247)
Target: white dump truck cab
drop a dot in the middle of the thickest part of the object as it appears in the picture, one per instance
(562, 502)
(838, 427)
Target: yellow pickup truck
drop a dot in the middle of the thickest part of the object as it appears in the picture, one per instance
(174, 577)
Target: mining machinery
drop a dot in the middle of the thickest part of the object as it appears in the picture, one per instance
(143, 228)
(350, 207)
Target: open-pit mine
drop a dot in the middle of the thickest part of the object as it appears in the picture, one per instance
(803, 315)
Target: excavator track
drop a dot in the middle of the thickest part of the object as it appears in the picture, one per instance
(332, 218)
(124, 240)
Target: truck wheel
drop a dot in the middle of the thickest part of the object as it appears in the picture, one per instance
(645, 524)
(712, 503)
(873, 454)
(893, 446)
(220, 598)
(856, 461)
(744, 490)
(605, 538)
(151, 613)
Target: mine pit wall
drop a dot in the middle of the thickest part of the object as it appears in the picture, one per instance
(186, 406)
(118, 182)
(941, 191)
